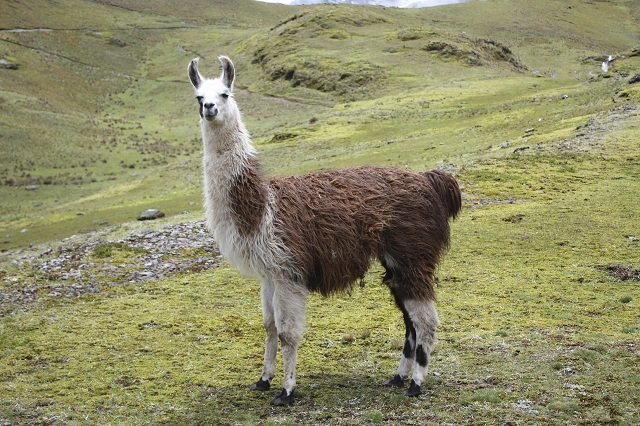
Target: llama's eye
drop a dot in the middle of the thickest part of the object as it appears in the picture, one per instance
(224, 95)
(200, 98)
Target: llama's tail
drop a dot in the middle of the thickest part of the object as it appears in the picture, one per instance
(447, 189)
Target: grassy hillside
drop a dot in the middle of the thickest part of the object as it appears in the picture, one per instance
(110, 111)
(538, 296)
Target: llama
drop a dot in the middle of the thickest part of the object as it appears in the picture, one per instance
(320, 233)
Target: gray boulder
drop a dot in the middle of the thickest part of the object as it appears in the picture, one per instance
(150, 214)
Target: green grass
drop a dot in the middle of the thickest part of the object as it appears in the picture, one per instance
(537, 328)
(94, 105)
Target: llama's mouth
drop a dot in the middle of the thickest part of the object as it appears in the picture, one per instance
(210, 115)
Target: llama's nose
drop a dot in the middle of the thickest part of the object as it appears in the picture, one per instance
(209, 105)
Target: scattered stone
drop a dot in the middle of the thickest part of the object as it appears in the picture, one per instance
(524, 405)
(635, 79)
(520, 149)
(574, 386)
(632, 238)
(151, 214)
(4, 64)
(31, 187)
(447, 167)
(150, 324)
(73, 269)
(564, 97)
(504, 145)
(589, 135)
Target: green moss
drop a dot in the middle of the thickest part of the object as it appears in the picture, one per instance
(106, 250)
(373, 417)
(564, 405)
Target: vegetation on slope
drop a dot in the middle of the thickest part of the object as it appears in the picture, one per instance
(538, 296)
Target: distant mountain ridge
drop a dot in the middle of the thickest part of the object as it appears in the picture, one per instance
(387, 3)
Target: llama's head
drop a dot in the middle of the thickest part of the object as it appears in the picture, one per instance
(215, 96)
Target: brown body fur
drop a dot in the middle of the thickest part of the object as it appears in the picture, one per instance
(335, 223)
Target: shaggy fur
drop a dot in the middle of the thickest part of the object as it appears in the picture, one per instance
(335, 223)
(320, 232)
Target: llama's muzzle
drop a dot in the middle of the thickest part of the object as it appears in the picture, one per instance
(209, 111)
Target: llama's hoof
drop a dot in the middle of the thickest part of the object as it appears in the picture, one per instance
(414, 389)
(261, 385)
(283, 399)
(395, 382)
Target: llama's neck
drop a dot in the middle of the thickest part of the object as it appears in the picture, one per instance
(235, 192)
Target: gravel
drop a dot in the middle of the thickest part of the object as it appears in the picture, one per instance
(81, 266)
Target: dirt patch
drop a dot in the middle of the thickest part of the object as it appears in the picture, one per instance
(623, 272)
(516, 218)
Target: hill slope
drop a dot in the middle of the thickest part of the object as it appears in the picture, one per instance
(98, 113)
(141, 323)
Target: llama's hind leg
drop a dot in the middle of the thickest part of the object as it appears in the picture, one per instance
(408, 350)
(424, 316)
(271, 342)
(289, 308)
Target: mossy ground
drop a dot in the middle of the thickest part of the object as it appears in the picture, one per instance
(536, 329)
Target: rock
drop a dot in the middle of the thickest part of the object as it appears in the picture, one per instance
(635, 79)
(529, 131)
(8, 65)
(31, 187)
(150, 214)
(522, 148)
(564, 97)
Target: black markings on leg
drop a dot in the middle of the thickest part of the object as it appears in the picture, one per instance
(261, 385)
(421, 356)
(283, 399)
(407, 350)
(414, 389)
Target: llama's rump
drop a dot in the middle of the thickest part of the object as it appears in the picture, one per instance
(335, 223)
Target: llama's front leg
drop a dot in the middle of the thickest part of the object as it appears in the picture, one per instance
(271, 341)
(289, 306)
(425, 320)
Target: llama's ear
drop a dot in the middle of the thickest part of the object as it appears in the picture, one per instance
(194, 74)
(228, 71)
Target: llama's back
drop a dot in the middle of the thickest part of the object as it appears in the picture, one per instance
(334, 223)
(448, 190)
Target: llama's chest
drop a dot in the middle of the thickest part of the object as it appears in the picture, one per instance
(245, 237)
